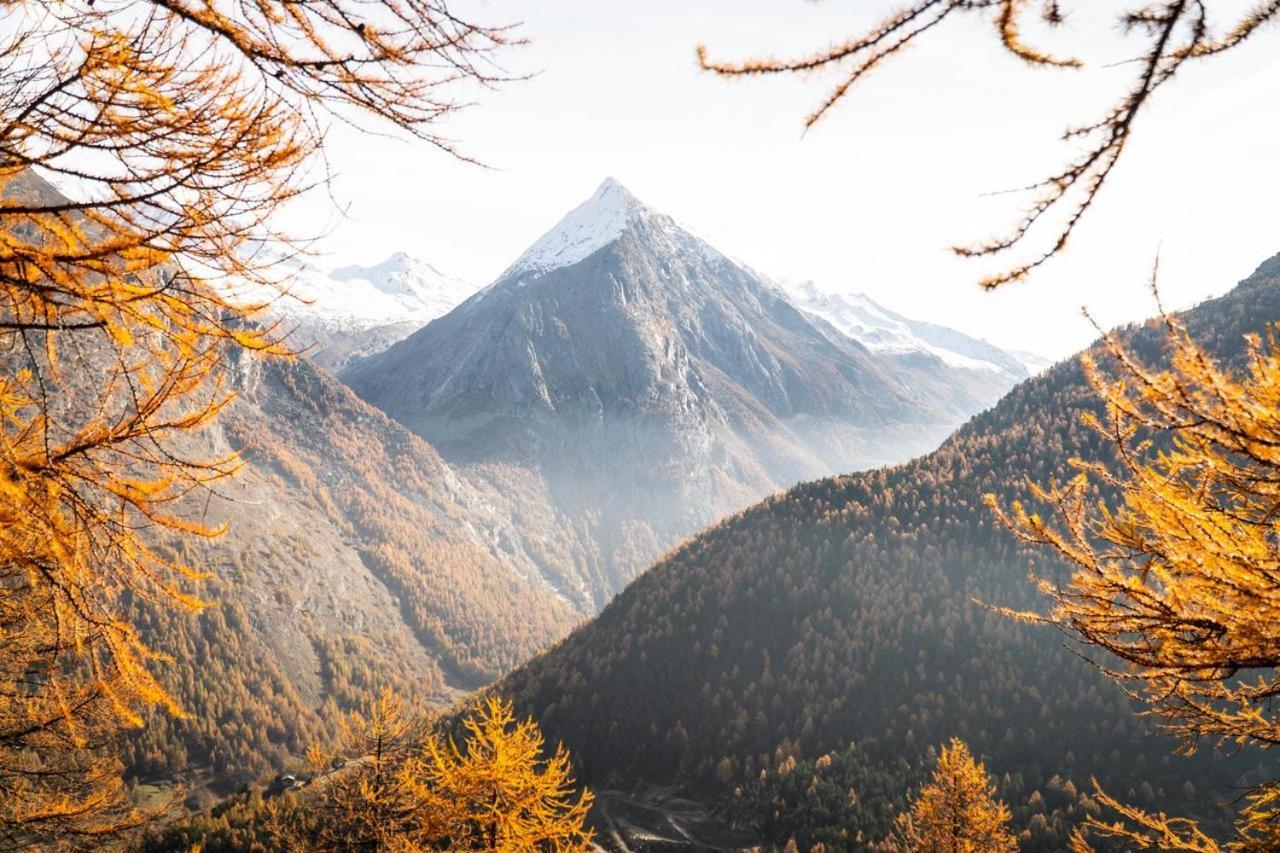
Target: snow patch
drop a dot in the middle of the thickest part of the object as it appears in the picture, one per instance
(1033, 362)
(885, 331)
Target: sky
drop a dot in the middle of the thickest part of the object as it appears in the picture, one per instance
(868, 201)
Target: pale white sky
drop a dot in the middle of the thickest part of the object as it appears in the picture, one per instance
(868, 201)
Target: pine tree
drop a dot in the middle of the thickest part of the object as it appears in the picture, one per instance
(500, 790)
(394, 783)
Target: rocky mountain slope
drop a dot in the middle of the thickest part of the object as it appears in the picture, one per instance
(838, 620)
(639, 384)
(355, 558)
(343, 314)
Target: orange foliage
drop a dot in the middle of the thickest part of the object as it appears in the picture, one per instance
(957, 812)
(178, 129)
(398, 785)
(1181, 580)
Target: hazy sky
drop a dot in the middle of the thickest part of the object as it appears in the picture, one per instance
(869, 200)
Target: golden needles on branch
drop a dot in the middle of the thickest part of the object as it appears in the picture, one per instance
(956, 810)
(398, 785)
(1180, 580)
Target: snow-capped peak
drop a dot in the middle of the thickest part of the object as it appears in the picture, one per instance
(399, 290)
(403, 275)
(586, 229)
(883, 330)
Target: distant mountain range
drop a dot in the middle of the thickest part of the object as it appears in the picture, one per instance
(798, 663)
(639, 383)
(338, 315)
(892, 335)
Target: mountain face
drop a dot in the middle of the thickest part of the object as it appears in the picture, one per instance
(640, 384)
(352, 312)
(1033, 362)
(837, 621)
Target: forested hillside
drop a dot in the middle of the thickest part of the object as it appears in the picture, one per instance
(840, 616)
(355, 558)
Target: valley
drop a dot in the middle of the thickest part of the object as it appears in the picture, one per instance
(518, 458)
(358, 556)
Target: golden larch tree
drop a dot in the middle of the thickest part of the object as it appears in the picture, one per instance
(145, 148)
(359, 798)
(1178, 577)
(398, 784)
(501, 791)
(956, 811)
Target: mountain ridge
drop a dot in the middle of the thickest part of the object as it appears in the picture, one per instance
(882, 329)
(337, 316)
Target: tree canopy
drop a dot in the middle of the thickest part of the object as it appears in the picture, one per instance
(956, 812)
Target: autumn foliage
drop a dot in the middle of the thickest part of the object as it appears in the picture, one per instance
(174, 131)
(1179, 577)
(956, 811)
(397, 784)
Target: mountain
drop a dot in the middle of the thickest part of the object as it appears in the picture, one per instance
(809, 652)
(352, 312)
(1033, 362)
(637, 383)
(885, 331)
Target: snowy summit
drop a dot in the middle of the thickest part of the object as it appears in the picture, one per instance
(883, 330)
(586, 229)
(341, 314)
(402, 288)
